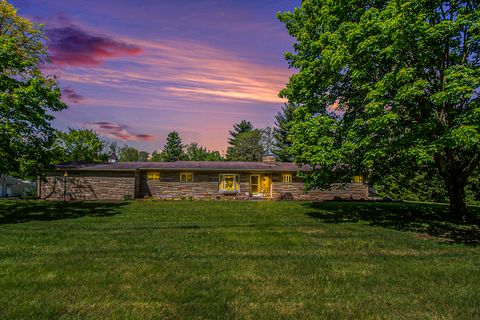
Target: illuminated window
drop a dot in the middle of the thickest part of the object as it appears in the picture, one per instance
(286, 177)
(229, 183)
(358, 179)
(153, 175)
(186, 176)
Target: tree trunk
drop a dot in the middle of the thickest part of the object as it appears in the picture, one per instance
(456, 194)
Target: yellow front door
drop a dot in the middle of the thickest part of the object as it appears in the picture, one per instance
(266, 185)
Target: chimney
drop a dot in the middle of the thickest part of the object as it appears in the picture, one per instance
(269, 159)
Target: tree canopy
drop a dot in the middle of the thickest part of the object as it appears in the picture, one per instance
(79, 145)
(27, 97)
(283, 124)
(386, 85)
(173, 149)
(131, 154)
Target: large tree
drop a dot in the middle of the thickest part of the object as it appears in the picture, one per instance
(196, 153)
(79, 145)
(238, 128)
(130, 154)
(405, 76)
(173, 149)
(248, 147)
(27, 97)
(283, 124)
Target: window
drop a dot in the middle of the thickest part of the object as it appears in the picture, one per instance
(358, 179)
(153, 175)
(186, 177)
(286, 177)
(229, 183)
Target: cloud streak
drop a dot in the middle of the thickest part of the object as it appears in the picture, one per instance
(70, 45)
(119, 132)
(70, 95)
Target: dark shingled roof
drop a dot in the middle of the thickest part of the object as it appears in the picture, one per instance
(186, 165)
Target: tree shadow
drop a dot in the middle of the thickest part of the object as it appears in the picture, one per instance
(424, 219)
(18, 211)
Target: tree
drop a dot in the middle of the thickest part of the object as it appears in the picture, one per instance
(130, 154)
(247, 146)
(238, 128)
(81, 145)
(283, 124)
(267, 140)
(27, 97)
(196, 153)
(157, 156)
(173, 150)
(405, 74)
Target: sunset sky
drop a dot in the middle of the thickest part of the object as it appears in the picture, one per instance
(136, 70)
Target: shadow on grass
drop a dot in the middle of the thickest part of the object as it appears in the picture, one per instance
(18, 211)
(424, 219)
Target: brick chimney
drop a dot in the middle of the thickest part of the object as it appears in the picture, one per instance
(269, 159)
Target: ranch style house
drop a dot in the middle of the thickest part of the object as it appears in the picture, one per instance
(267, 179)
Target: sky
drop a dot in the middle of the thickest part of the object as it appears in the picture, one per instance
(136, 70)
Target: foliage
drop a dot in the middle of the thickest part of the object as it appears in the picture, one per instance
(238, 128)
(404, 75)
(27, 97)
(173, 149)
(283, 124)
(196, 153)
(247, 147)
(78, 145)
(130, 154)
(267, 140)
(157, 156)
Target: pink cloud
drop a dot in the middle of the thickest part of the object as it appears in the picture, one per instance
(70, 45)
(119, 131)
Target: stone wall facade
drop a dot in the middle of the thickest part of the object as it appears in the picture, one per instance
(353, 191)
(88, 186)
(111, 185)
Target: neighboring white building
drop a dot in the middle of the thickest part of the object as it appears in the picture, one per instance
(11, 187)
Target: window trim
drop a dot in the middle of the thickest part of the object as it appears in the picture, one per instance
(285, 175)
(186, 173)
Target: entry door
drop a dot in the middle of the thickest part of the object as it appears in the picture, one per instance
(266, 185)
(255, 184)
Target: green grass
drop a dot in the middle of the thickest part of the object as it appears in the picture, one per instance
(238, 260)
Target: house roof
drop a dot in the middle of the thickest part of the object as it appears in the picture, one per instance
(233, 166)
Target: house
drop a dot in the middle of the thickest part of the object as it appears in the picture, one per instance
(12, 187)
(186, 179)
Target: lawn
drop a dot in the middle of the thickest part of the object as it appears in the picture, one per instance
(238, 260)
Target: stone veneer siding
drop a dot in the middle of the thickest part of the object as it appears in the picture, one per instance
(354, 191)
(88, 186)
(113, 185)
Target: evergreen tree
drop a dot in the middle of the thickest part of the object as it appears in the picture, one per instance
(247, 147)
(238, 129)
(173, 150)
(283, 124)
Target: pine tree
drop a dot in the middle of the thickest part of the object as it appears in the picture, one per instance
(173, 150)
(283, 123)
(238, 129)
